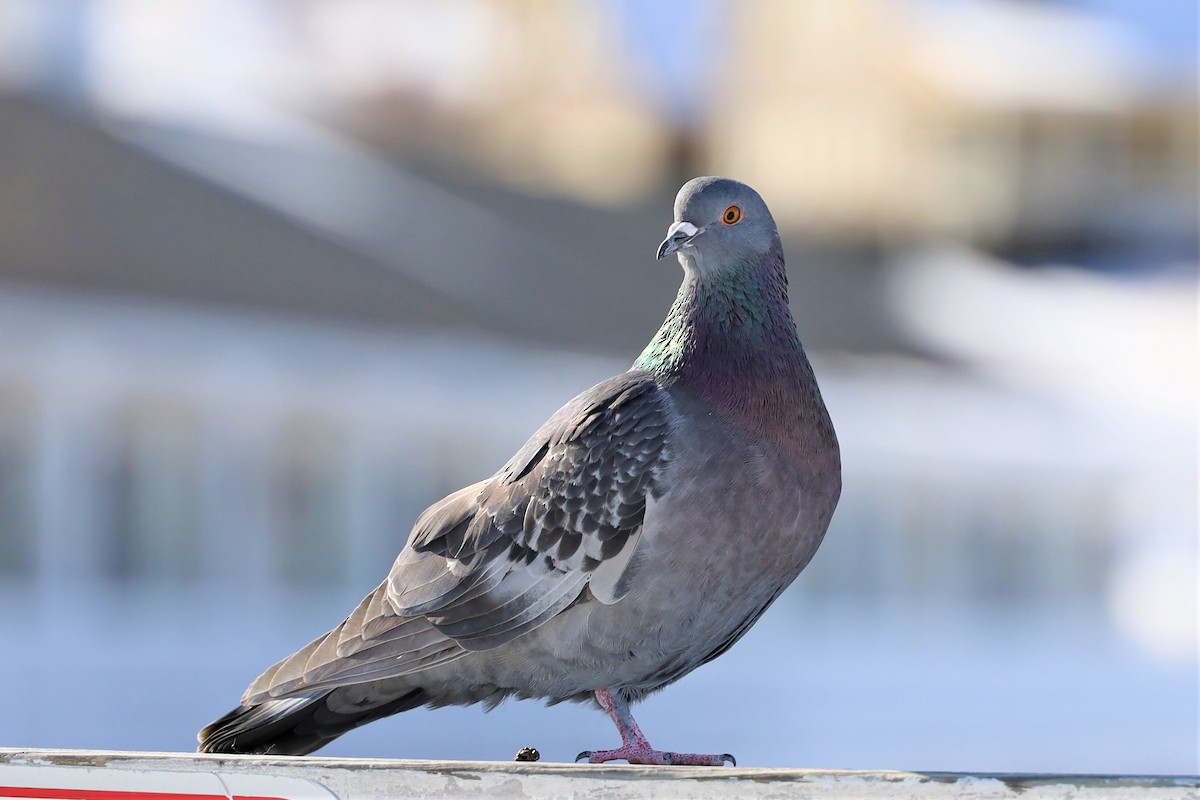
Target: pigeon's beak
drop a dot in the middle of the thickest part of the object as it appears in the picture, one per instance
(678, 236)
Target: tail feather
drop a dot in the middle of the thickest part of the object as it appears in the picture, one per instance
(301, 724)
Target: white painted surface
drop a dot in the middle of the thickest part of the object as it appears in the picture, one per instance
(164, 774)
(140, 779)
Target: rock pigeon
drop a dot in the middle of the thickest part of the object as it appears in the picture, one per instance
(637, 535)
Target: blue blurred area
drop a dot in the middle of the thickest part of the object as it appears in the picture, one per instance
(1171, 26)
(274, 277)
(677, 47)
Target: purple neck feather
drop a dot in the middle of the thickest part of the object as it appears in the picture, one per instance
(731, 342)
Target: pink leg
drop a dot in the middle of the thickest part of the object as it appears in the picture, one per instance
(634, 747)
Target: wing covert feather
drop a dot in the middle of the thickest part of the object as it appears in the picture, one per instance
(527, 541)
(499, 558)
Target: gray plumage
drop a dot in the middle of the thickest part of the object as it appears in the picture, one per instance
(638, 534)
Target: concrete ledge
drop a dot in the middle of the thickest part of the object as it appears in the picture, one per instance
(162, 776)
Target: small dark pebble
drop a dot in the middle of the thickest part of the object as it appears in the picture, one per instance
(528, 754)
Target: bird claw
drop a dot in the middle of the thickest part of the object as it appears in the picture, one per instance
(649, 756)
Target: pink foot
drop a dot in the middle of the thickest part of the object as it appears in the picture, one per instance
(644, 754)
(635, 748)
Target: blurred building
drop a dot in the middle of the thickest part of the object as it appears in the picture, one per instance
(273, 276)
(996, 122)
(992, 122)
(205, 390)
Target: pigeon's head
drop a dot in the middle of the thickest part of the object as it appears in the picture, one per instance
(719, 224)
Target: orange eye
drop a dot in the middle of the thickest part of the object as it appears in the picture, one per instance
(731, 215)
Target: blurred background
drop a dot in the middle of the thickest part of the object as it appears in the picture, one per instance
(274, 276)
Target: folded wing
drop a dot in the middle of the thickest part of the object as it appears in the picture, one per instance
(501, 557)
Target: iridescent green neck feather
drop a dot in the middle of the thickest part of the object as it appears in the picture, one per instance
(734, 323)
(730, 341)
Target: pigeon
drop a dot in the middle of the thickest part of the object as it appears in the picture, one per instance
(639, 533)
